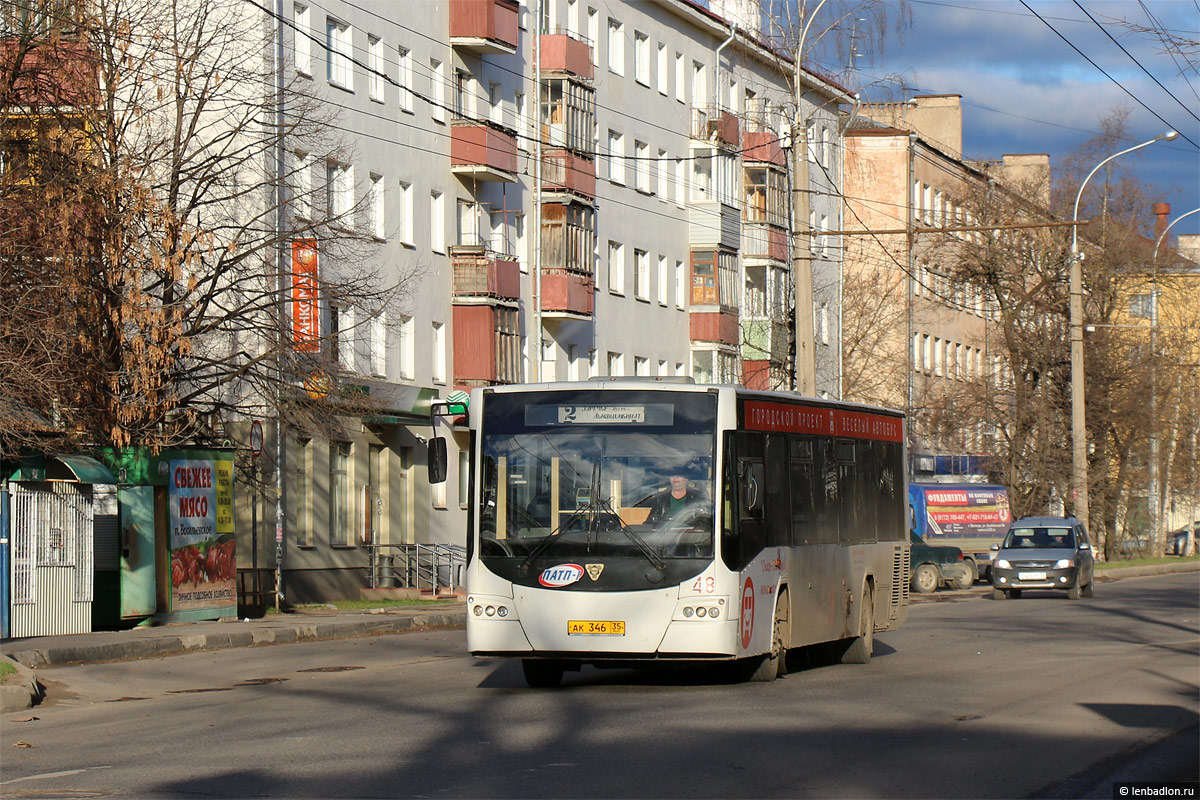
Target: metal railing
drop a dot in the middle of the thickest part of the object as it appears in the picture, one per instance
(434, 568)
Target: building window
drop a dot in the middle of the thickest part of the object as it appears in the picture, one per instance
(714, 279)
(680, 181)
(342, 333)
(680, 73)
(616, 157)
(680, 286)
(662, 169)
(404, 56)
(339, 180)
(569, 237)
(641, 58)
(378, 69)
(339, 493)
(616, 268)
(438, 90)
(615, 364)
(407, 348)
(339, 69)
(375, 207)
(464, 478)
(616, 46)
(664, 70)
(303, 520)
(593, 34)
(641, 366)
(300, 18)
(406, 214)
(379, 344)
(302, 200)
(641, 275)
(663, 292)
(1141, 306)
(641, 166)
(663, 368)
(439, 352)
(437, 222)
(508, 345)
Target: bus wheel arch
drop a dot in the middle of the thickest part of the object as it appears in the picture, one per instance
(770, 666)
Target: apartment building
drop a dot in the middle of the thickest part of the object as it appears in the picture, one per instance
(927, 340)
(631, 217)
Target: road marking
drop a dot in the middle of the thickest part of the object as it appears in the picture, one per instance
(45, 775)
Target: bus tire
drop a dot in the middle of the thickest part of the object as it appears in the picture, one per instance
(541, 673)
(769, 667)
(925, 579)
(863, 645)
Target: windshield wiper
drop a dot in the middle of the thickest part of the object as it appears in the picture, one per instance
(595, 509)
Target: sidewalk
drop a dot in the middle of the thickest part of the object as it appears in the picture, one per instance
(181, 637)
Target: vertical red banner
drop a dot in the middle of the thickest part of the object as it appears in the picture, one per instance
(306, 329)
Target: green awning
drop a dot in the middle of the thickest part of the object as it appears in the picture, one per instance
(83, 469)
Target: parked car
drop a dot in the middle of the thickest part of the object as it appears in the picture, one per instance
(1043, 553)
(1177, 540)
(937, 565)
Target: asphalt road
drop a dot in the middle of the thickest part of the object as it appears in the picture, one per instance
(972, 698)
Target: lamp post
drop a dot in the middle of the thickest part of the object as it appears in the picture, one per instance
(1154, 492)
(1079, 470)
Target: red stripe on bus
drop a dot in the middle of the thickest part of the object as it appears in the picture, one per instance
(787, 418)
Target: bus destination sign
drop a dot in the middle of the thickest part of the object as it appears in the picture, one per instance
(788, 418)
(641, 414)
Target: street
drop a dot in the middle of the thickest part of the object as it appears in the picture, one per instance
(971, 698)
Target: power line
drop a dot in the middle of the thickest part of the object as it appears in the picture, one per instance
(1135, 61)
(1105, 74)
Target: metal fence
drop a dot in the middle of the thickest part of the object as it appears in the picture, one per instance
(434, 568)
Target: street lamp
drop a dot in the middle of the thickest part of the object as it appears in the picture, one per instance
(1154, 501)
(1079, 470)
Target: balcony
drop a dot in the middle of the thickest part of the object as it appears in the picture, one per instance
(762, 241)
(563, 171)
(763, 147)
(716, 125)
(714, 326)
(484, 26)
(487, 345)
(567, 295)
(711, 223)
(483, 153)
(564, 53)
(482, 274)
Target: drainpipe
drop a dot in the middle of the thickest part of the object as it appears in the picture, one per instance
(283, 271)
(536, 233)
(717, 71)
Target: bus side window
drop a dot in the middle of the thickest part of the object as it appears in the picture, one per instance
(778, 513)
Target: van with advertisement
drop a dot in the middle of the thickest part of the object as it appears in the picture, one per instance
(970, 516)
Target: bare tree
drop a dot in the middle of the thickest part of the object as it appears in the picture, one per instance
(150, 223)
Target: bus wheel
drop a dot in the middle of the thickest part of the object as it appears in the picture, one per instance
(772, 665)
(542, 674)
(925, 579)
(861, 647)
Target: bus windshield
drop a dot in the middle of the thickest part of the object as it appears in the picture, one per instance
(598, 473)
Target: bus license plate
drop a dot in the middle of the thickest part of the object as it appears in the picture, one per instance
(1031, 576)
(593, 627)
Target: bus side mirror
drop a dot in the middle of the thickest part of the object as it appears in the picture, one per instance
(437, 459)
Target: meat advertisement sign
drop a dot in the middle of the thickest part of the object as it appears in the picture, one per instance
(203, 570)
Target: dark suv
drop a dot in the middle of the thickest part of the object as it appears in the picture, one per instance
(934, 565)
(1043, 553)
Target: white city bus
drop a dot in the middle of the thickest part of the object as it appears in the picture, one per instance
(791, 531)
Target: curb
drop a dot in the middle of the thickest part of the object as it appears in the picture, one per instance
(20, 692)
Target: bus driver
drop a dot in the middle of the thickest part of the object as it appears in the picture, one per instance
(671, 502)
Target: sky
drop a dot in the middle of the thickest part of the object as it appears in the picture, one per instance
(1026, 90)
